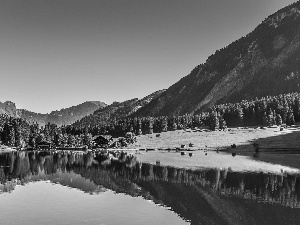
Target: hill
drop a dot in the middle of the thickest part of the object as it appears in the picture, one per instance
(63, 116)
(117, 110)
(264, 62)
(8, 108)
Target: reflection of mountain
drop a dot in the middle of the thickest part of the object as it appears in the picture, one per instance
(22, 173)
(69, 179)
(202, 197)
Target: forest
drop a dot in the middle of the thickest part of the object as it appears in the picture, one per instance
(267, 111)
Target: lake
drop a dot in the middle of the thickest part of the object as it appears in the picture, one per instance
(76, 188)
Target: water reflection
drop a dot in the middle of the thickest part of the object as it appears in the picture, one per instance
(211, 196)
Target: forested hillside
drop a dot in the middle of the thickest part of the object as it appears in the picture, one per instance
(264, 62)
(266, 111)
(116, 111)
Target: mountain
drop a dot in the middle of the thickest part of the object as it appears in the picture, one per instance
(117, 110)
(264, 62)
(63, 116)
(8, 108)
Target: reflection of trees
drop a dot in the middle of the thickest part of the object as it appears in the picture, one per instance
(187, 192)
(283, 189)
(274, 189)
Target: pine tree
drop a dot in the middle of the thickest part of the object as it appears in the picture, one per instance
(164, 124)
(296, 109)
(149, 125)
(139, 127)
(87, 140)
(11, 137)
(290, 120)
(284, 113)
(223, 125)
(278, 120)
(265, 119)
(270, 121)
(213, 122)
(32, 141)
(58, 140)
(18, 137)
(71, 140)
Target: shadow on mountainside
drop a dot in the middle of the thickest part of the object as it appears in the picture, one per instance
(288, 143)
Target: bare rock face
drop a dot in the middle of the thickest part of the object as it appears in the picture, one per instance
(264, 62)
(8, 108)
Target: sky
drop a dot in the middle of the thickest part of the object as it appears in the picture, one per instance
(59, 53)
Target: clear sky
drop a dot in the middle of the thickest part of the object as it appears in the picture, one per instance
(58, 53)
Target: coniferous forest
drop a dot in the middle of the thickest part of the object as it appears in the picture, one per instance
(267, 111)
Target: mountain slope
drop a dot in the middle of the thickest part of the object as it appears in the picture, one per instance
(8, 108)
(63, 116)
(265, 62)
(117, 110)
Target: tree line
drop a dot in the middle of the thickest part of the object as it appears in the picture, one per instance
(267, 111)
(17, 132)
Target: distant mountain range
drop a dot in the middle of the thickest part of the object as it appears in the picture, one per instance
(264, 62)
(61, 117)
(87, 113)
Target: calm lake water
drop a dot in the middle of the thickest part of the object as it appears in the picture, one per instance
(64, 188)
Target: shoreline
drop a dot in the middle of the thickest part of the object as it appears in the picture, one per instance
(207, 142)
(166, 148)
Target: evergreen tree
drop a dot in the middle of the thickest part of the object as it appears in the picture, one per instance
(87, 140)
(150, 125)
(164, 124)
(71, 140)
(18, 137)
(222, 125)
(139, 127)
(284, 113)
(11, 137)
(40, 138)
(296, 109)
(271, 120)
(58, 140)
(213, 121)
(265, 119)
(32, 141)
(278, 120)
(290, 120)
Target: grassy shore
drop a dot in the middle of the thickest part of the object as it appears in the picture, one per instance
(205, 143)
